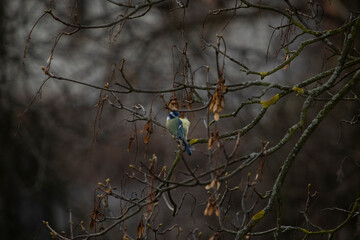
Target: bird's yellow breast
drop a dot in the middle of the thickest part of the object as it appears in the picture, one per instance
(186, 125)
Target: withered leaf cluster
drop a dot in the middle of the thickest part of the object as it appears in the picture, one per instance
(218, 100)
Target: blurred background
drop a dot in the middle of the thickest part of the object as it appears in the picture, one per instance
(49, 160)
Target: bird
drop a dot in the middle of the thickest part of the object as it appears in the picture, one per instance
(179, 128)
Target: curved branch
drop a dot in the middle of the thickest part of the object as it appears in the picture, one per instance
(126, 17)
(294, 152)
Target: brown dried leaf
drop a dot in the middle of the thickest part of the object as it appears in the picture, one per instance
(211, 207)
(215, 184)
(207, 187)
(93, 218)
(140, 230)
(286, 58)
(108, 191)
(210, 143)
(216, 116)
(222, 102)
(218, 101)
(214, 139)
(92, 224)
(148, 128)
(174, 104)
(125, 234)
(208, 210)
(82, 226)
(215, 236)
(131, 139)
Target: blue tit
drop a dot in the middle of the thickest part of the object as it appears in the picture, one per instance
(179, 128)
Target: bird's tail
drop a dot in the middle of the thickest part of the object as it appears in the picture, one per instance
(187, 148)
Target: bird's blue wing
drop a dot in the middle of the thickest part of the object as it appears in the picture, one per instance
(176, 128)
(187, 148)
(181, 136)
(180, 130)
